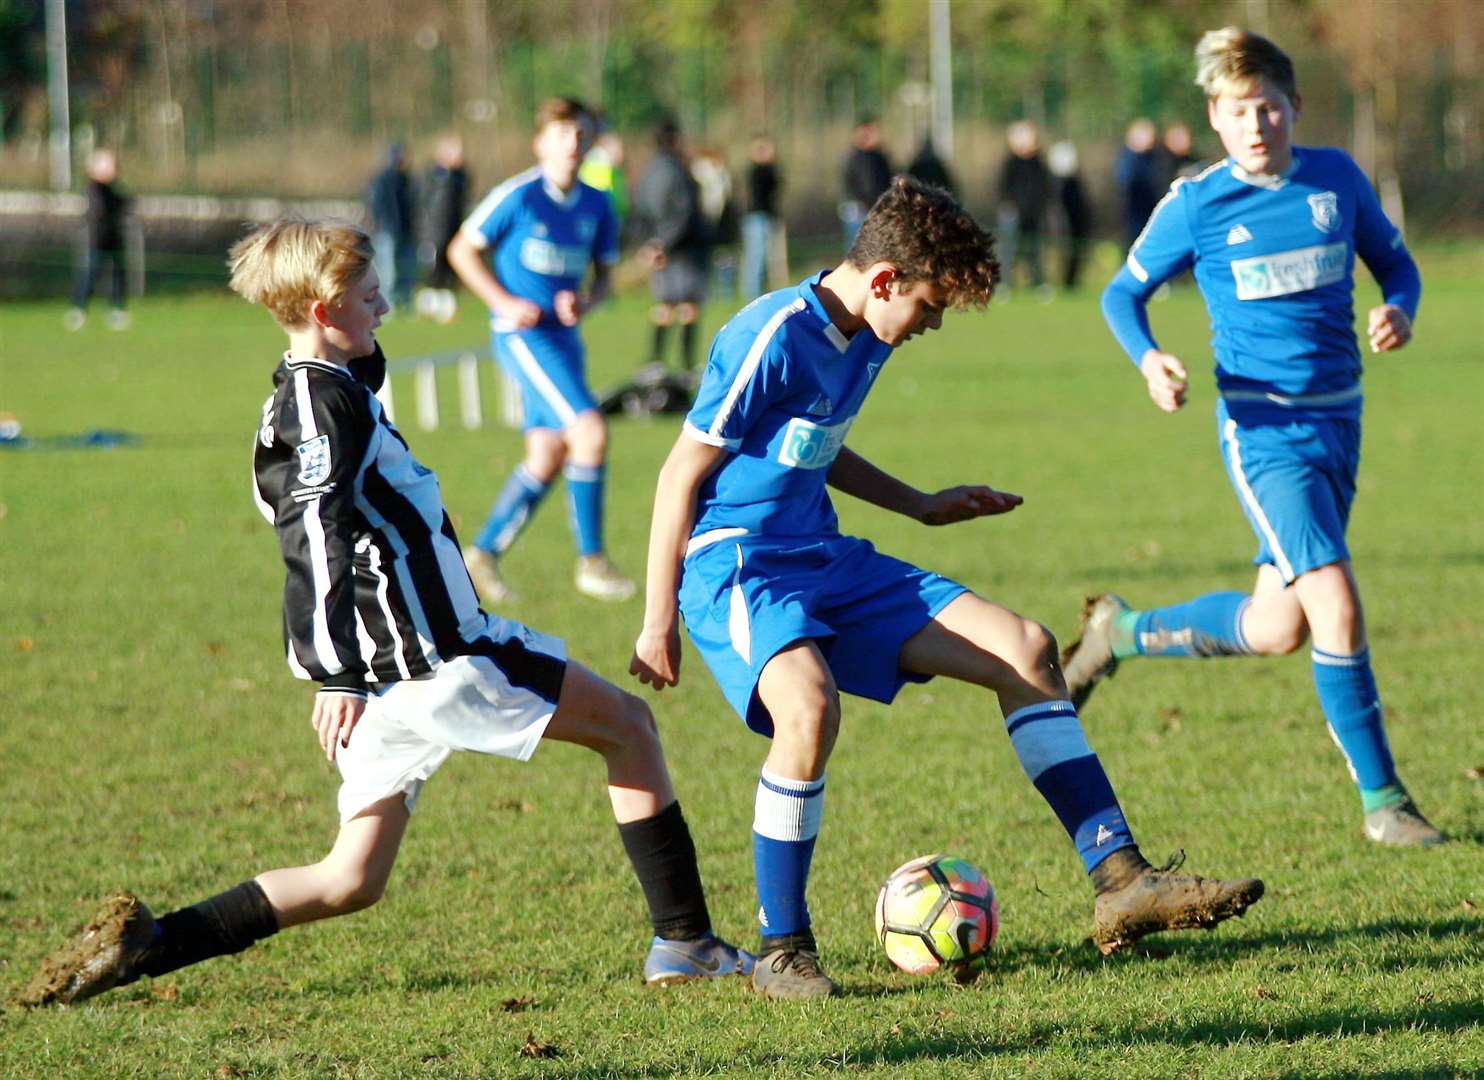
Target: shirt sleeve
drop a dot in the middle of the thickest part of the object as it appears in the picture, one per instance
(1379, 244)
(494, 217)
(325, 431)
(744, 374)
(1163, 250)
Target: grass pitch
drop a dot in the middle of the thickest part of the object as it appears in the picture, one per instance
(152, 737)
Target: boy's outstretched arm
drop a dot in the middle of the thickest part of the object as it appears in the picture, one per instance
(656, 658)
(856, 476)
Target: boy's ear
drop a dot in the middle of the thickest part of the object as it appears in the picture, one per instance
(881, 282)
(319, 313)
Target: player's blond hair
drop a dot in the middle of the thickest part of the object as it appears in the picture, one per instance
(1233, 59)
(289, 264)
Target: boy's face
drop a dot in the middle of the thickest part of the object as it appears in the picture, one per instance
(1255, 122)
(896, 313)
(559, 148)
(350, 324)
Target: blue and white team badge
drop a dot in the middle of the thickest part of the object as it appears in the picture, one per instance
(1325, 207)
(314, 461)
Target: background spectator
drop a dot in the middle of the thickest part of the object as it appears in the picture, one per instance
(1025, 187)
(667, 201)
(445, 191)
(1069, 198)
(1136, 173)
(389, 204)
(104, 241)
(864, 176)
(763, 184)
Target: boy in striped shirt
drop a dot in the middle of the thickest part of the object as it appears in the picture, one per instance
(378, 609)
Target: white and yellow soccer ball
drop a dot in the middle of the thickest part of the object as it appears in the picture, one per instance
(936, 912)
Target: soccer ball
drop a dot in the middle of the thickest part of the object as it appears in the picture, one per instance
(936, 912)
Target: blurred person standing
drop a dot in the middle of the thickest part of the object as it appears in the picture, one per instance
(1136, 173)
(763, 184)
(928, 167)
(445, 191)
(1025, 189)
(865, 174)
(390, 207)
(667, 200)
(1069, 198)
(1177, 156)
(602, 168)
(719, 208)
(104, 241)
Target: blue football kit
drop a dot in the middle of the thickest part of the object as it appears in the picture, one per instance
(542, 243)
(766, 566)
(1274, 258)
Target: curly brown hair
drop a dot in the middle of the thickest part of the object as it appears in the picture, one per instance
(928, 236)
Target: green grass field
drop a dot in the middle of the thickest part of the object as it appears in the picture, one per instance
(152, 737)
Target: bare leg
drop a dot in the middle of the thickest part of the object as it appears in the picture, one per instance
(351, 877)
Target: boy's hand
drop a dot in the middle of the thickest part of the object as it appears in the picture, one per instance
(567, 307)
(1388, 328)
(656, 659)
(521, 312)
(1166, 377)
(965, 503)
(335, 717)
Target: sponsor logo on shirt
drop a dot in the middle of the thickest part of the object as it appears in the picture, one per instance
(1325, 208)
(555, 260)
(1287, 272)
(811, 446)
(314, 461)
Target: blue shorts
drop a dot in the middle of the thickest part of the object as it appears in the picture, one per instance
(550, 365)
(1295, 481)
(746, 599)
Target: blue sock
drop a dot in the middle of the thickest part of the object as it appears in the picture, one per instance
(1054, 753)
(585, 501)
(1347, 694)
(517, 502)
(784, 824)
(1209, 625)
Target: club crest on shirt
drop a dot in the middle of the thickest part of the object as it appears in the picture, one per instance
(314, 460)
(1325, 208)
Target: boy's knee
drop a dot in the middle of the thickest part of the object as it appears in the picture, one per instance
(811, 718)
(586, 437)
(1034, 650)
(353, 889)
(1281, 640)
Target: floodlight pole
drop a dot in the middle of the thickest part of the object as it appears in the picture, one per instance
(941, 66)
(56, 94)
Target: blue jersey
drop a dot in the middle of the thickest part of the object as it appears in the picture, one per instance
(543, 241)
(782, 387)
(1274, 258)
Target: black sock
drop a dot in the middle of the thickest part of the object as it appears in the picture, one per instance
(688, 345)
(657, 351)
(665, 862)
(1118, 869)
(223, 924)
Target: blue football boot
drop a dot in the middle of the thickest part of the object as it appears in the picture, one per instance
(672, 962)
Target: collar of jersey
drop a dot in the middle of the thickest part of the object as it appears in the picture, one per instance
(315, 362)
(811, 298)
(554, 193)
(1272, 183)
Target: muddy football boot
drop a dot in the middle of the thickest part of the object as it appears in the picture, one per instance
(1089, 660)
(670, 963)
(484, 571)
(791, 973)
(1402, 825)
(103, 956)
(1163, 899)
(597, 577)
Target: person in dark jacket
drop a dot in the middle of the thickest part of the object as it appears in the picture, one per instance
(1069, 197)
(865, 175)
(106, 209)
(763, 184)
(1025, 189)
(445, 190)
(390, 207)
(667, 201)
(1137, 173)
(928, 167)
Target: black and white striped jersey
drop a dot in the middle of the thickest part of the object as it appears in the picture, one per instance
(375, 589)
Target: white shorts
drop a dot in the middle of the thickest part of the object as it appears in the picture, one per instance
(498, 703)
